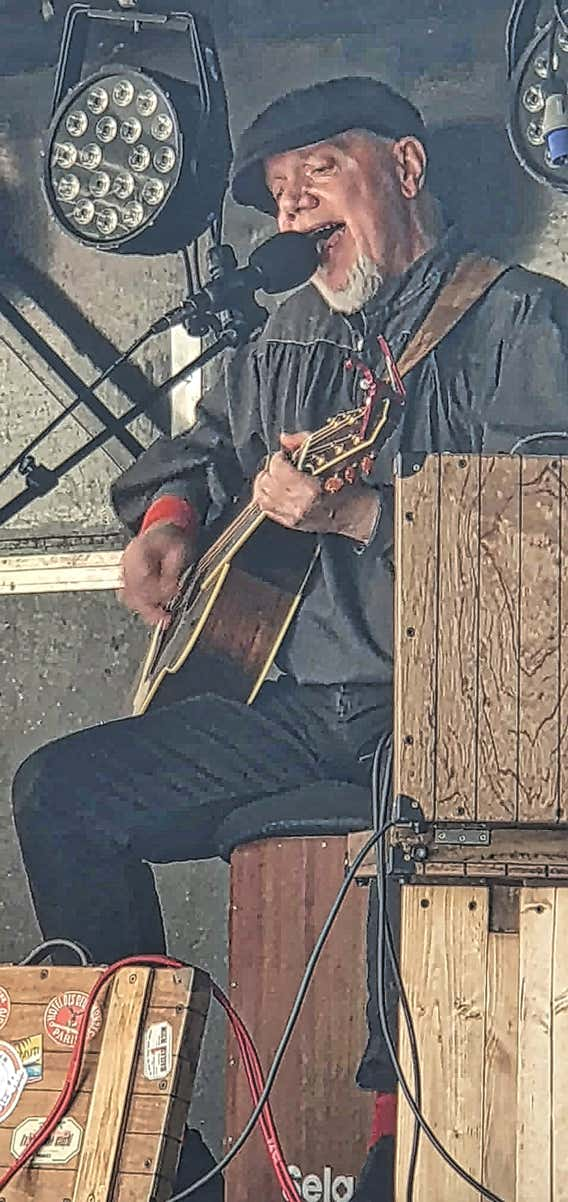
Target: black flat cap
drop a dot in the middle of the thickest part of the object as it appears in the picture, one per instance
(313, 114)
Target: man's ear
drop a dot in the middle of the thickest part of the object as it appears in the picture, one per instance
(411, 160)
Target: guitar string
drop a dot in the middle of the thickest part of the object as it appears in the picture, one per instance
(251, 511)
(318, 439)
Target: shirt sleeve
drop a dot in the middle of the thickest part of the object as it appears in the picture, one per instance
(200, 465)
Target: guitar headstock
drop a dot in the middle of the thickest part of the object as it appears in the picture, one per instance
(345, 446)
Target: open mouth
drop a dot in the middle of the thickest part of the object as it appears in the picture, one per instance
(327, 236)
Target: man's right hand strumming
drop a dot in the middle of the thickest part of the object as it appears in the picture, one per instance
(152, 565)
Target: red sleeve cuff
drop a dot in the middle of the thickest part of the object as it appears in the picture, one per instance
(170, 509)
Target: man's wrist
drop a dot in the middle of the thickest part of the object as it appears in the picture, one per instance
(174, 511)
(356, 515)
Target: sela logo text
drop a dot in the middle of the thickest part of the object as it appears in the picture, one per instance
(322, 1189)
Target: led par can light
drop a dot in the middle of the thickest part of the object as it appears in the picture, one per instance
(538, 71)
(126, 166)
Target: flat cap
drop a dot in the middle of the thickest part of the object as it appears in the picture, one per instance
(309, 115)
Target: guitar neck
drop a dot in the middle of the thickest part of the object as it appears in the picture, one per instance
(229, 542)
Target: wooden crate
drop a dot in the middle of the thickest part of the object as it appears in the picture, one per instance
(281, 893)
(481, 709)
(121, 1137)
(487, 985)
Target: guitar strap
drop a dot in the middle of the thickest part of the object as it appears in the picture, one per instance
(471, 279)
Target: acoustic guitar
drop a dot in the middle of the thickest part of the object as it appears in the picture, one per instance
(235, 604)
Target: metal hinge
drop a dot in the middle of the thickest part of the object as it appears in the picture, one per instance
(456, 836)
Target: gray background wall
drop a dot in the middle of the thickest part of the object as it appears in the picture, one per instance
(68, 660)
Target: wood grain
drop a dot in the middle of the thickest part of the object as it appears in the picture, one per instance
(416, 632)
(281, 892)
(115, 1104)
(534, 1109)
(563, 652)
(104, 1130)
(458, 571)
(539, 663)
(443, 942)
(500, 1065)
(559, 1071)
(499, 555)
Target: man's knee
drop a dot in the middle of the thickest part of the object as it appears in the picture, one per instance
(36, 784)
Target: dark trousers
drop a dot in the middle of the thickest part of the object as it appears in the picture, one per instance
(95, 809)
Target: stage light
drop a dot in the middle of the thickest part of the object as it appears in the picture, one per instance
(537, 53)
(136, 160)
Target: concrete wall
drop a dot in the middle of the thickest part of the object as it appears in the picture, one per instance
(68, 660)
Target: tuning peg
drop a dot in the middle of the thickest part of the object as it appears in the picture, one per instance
(350, 474)
(333, 484)
(367, 464)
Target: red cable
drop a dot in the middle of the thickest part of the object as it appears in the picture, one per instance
(249, 1055)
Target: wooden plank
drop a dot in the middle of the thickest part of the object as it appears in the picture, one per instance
(457, 639)
(130, 990)
(444, 933)
(539, 702)
(171, 988)
(563, 645)
(534, 1109)
(559, 1069)
(281, 891)
(76, 571)
(33, 1185)
(500, 1068)
(145, 1111)
(416, 630)
(497, 737)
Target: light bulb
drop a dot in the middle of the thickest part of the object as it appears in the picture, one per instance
(106, 220)
(90, 156)
(162, 127)
(97, 101)
(107, 129)
(164, 160)
(146, 103)
(68, 187)
(123, 185)
(123, 93)
(139, 158)
(99, 184)
(133, 215)
(76, 123)
(83, 212)
(153, 191)
(130, 130)
(64, 155)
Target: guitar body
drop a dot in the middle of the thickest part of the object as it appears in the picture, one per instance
(227, 639)
(237, 602)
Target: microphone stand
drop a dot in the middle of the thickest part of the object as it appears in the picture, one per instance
(232, 328)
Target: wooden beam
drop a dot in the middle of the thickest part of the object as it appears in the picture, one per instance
(76, 571)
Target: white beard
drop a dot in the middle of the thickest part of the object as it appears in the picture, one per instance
(362, 285)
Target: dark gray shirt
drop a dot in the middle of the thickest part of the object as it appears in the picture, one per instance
(497, 382)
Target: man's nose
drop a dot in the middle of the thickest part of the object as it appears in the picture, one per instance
(292, 202)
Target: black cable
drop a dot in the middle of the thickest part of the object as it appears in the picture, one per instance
(43, 950)
(379, 815)
(292, 1019)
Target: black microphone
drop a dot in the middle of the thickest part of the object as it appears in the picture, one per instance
(284, 262)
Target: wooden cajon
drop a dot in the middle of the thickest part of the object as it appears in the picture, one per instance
(281, 893)
(121, 1138)
(480, 755)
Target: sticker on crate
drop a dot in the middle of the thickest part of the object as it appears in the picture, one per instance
(158, 1051)
(13, 1077)
(30, 1051)
(63, 1014)
(63, 1144)
(5, 1006)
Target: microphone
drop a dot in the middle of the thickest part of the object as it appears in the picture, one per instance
(284, 262)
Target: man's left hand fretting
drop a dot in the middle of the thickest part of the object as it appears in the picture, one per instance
(297, 500)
